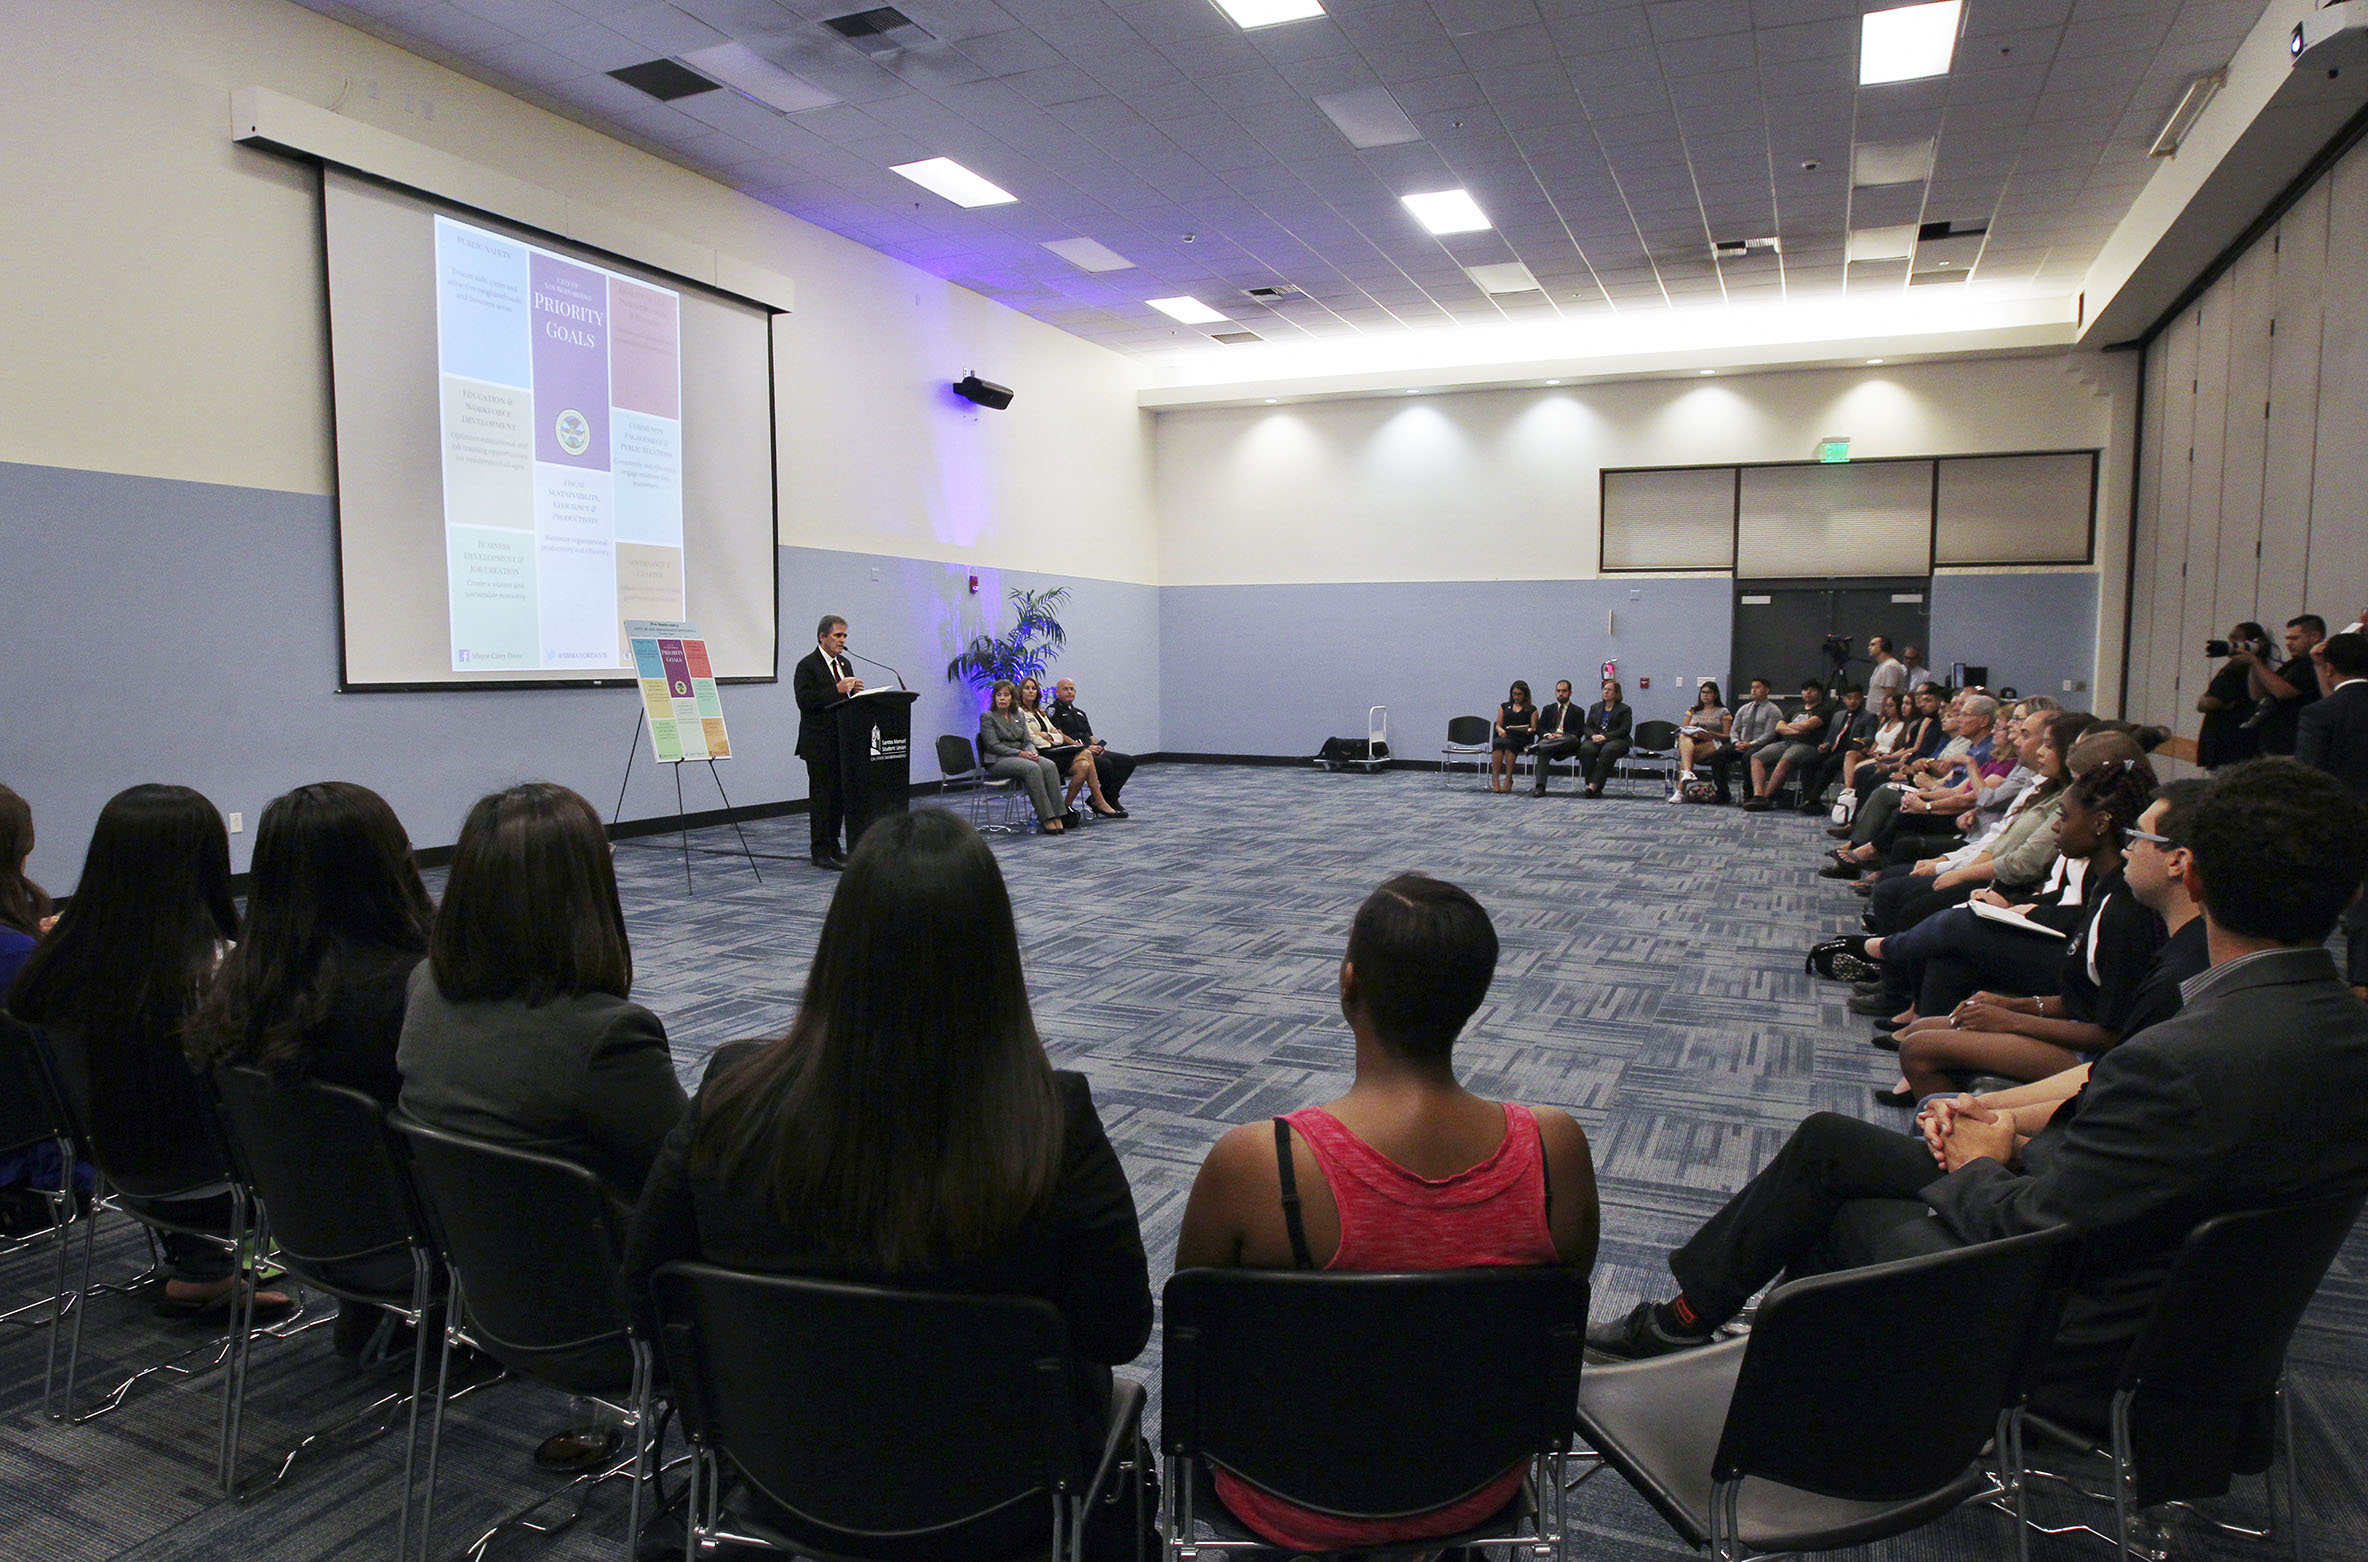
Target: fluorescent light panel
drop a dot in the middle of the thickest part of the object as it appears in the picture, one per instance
(1893, 243)
(1508, 277)
(1369, 117)
(1089, 254)
(943, 176)
(1447, 211)
(751, 75)
(1191, 311)
(1877, 163)
(1908, 43)
(1247, 14)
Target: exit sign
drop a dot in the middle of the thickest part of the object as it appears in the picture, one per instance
(1833, 451)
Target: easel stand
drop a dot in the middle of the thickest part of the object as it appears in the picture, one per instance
(682, 820)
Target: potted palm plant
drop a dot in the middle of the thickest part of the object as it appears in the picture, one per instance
(1034, 639)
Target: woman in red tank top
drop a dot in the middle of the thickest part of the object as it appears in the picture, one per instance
(1407, 1171)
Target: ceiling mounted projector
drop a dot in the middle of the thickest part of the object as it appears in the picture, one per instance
(2333, 36)
(985, 392)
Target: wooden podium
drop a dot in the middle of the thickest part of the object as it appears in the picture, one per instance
(875, 733)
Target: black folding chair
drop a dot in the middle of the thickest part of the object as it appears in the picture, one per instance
(895, 1426)
(1858, 1406)
(2201, 1396)
(1653, 752)
(1369, 1397)
(337, 1211)
(1468, 737)
(959, 771)
(159, 1198)
(33, 1116)
(535, 1248)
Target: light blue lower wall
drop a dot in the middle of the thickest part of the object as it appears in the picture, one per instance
(185, 632)
(1275, 669)
(2033, 631)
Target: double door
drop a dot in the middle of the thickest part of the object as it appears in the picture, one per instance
(1781, 628)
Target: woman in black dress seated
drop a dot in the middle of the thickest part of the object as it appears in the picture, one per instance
(909, 1129)
(1516, 729)
(336, 920)
(111, 990)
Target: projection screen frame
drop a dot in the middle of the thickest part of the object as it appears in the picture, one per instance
(561, 243)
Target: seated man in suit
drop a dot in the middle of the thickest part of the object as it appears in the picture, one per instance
(2333, 735)
(1606, 737)
(2255, 1094)
(1112, 766)
(1561, 733)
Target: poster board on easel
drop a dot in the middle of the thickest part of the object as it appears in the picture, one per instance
(678, 694)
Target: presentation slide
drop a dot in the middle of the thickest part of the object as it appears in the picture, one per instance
(536, 444)
(561, 429)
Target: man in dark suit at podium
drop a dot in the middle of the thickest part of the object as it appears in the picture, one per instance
(823, 681)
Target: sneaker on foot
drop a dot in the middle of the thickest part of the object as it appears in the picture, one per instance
(1638, 1337)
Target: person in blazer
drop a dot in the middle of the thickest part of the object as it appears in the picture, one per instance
(2255, 1094)
(518, 1027)
(822, 681)
(1561, 733)
(2333, 736)
(1606, 738)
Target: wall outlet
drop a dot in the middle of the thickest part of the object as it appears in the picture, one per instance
(2075, 685)
(875, 575)
(238, 823)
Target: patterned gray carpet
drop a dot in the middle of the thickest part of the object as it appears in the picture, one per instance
(1651, 983)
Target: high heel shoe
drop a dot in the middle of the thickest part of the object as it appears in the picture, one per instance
(1894, 1097)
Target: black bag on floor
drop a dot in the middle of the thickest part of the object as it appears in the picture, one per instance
(1351, 751)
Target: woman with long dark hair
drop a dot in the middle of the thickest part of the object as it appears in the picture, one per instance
(1516, 729)
(909, 1128)
(336, 920)
(518, 1027)
(24, 905)
(24, 917)
(112, 987)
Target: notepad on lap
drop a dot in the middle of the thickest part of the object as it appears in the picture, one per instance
(2013, 919)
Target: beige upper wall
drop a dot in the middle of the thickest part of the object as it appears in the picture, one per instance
(161, 295)
(1503, 485)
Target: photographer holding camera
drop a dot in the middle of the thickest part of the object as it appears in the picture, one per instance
(2281, 691)
(2228, 703)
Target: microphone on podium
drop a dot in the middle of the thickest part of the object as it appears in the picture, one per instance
(883, 666)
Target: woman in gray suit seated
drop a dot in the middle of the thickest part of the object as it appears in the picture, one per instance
(518, 1028)
(1006, 748)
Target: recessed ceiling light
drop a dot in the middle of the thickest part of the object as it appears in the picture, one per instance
(1247, 14)
(1508, 276)
(1907, 43)
(1369, 117)
(1553, 382)
(1189, 310)
(1271, 400)
(1877, 163)
(1089, 254)
(1874, 360)
(1706, 371)
(751, 75)
(1447, 211)
(943, 176)
(1896, 242)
